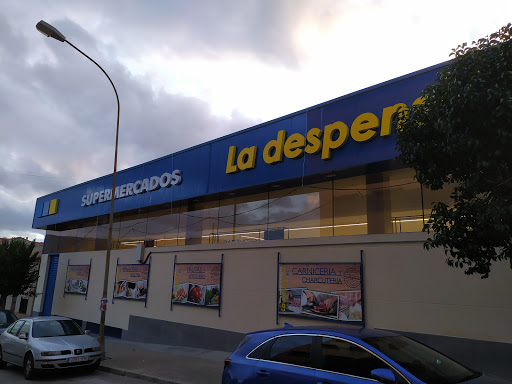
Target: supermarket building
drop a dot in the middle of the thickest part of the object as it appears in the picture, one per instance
(230, 236)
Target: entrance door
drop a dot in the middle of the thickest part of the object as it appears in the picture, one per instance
(53, 261)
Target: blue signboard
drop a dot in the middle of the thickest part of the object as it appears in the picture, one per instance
(346, 132)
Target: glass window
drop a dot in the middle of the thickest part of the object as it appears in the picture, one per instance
(163, 227)
(242, 219)
(86, 238)
(199, 222)
(405, 199)
(25, 328)
(7, 318)
(350, 205)
(296, 213)
(262, 352)
(16, 327)
(441, 195)
(344, 357)
(52, 328)
(380, 202)
(423, 362)
(294, 350)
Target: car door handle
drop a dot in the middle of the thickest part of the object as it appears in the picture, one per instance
(262, 372)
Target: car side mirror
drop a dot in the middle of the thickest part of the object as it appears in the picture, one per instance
(383, 375)
(23, 336)
(87, 332)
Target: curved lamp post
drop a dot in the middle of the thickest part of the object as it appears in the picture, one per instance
(50, 31)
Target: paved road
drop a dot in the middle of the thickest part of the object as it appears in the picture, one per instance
(14, 375)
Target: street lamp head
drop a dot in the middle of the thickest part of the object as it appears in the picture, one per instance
(50, 31)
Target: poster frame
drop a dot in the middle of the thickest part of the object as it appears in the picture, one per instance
(88, 277)
(218, 308)
(147, 286)
(361, 323)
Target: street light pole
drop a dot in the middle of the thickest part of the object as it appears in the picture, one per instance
(50, 31)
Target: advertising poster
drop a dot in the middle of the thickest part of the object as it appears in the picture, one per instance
(77, 279)
(197, 284)
(328, 291)
(131, 281)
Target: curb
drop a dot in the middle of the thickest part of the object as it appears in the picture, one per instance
(133, 375)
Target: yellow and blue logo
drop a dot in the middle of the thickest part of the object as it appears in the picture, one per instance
(49, 208)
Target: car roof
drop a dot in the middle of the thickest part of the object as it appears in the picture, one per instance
(46, 318)
(340, 330)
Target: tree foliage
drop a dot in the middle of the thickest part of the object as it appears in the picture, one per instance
(18, 268)
(461, 136)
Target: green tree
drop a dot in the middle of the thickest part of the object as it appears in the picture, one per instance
(18, 268)
(461, 136)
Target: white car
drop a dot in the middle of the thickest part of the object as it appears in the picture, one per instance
(46, 343)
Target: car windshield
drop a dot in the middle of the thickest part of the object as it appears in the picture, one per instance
(7, 318)
(423, 362)
(53, 328)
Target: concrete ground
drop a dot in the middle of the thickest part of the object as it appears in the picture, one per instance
(163, 364)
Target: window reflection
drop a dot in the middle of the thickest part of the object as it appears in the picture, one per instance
(385, 202)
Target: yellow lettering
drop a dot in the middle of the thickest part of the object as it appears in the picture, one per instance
(363, 126)
(294, 145)
(315, 144)
(247, 158)
(329, 143)
(273, 152)
(388, 114)
(231, 167)
(419, 100)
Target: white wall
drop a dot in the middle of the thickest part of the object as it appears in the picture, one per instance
(406, 287)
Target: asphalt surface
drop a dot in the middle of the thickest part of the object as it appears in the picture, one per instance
(14, 375)
(163, 364)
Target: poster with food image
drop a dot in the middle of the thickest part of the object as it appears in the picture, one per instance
(212, 296)
(141, 289)
(181, 293)
(319, 304)
(196, 294)
(290, 301)
(320, 290)
(120, 289)
(131, 281)
(350, 305)
(197, 284)
(77, 279)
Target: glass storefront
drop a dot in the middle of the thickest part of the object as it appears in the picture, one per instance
(385, 202)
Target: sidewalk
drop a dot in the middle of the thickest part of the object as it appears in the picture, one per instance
(163, 364)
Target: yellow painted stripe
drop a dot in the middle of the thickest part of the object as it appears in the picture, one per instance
(54, 205)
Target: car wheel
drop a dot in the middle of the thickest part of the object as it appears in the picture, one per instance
(28, 367)
(2, 362)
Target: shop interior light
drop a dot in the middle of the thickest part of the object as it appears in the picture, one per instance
(407, 220)
(251, 237)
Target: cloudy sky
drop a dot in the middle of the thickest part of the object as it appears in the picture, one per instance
(191, 71)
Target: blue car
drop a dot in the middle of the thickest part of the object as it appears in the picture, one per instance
(349, 355)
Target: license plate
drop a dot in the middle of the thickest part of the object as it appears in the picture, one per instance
(77, 359)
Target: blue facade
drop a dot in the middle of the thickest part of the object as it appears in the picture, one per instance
(203, 169)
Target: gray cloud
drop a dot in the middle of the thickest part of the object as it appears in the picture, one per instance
(262, 29)
(59, 111)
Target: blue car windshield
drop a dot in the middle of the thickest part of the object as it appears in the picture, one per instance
(54, 328)
(423, 362)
